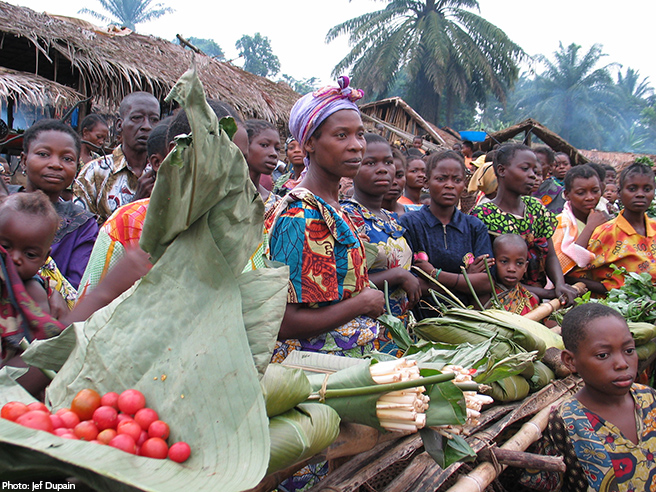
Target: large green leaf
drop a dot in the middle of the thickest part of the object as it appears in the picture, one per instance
(284, 388)
(447, 403)
(183, 320)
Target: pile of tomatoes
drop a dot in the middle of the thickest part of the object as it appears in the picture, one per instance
(121, 421)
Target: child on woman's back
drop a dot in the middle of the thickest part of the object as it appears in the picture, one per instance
(511, 260)
(28, 223)
(606, 431)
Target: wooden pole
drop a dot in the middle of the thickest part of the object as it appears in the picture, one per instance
(546, 309)
(485, 473)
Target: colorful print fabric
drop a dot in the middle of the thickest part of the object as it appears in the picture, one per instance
(327, 264)
(517, 300)
(536, 226)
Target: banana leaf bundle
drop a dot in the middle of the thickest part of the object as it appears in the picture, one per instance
(192, 318)
(511, 388)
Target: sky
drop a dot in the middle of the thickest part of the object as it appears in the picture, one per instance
(297, 28)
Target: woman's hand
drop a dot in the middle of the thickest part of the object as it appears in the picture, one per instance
(58, 306)
(372, 302)
(567, 293)
(411, 285)
(478, 265)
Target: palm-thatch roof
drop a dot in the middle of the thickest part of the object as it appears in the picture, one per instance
(619, 160)
(402, 121)
(530, 127)
(36, 90)
(110, 65)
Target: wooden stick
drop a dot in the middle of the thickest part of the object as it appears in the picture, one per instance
(521, 459)
(484, 474)
(546, 309)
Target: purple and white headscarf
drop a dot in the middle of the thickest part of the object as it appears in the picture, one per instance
(312, 109)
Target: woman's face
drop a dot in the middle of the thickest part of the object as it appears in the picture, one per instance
(337, 146)
(50, 162)
(584, 195)
(519, 175)
(446, 183)
(263, 152)
(96, 135)
(376, 172)
(637, 192)
(295, 153)
(398, 182)
(416, 174)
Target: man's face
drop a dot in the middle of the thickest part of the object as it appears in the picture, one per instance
(138, 122)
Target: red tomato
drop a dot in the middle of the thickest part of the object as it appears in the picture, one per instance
(105, 417)
(62, 410)
(86, 430)
(145, 417)
(129, 427)
(61, 430)
(69, 419)
(179, 452)
(106, 435)
(155, 448)
(56, 420)
(13, 410)
(69, 435)
(159, 428)
(124, 443)
(110, 400)
(85, 403)
(121, 417)
(131, 401)
(142, 438)
(36, 419)
(37, 405)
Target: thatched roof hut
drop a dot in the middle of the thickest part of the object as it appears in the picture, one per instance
(399, 119)
(531, 127)
(110, 64)
(619, 160)
(36, 90)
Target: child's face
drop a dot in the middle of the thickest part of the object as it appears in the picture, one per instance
(606, 358)
(610, 193)
(520, 174)
(50, 162)
(561, 166)
(263, 152)
(416, 175)
(446, 183)
(295, 153)
(637, 192)
(511, 261)
(584, 195)
(376, 171)
(27, 239)
(398, 182)
(538, 176)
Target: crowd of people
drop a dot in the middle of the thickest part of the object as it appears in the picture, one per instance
(348, 212)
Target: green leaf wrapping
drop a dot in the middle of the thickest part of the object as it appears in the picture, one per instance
(397, 330)
(183, 320)
(495, 370)
(301, 433)
(446, 451)
(284, 388)
(438, 355)
(358, 409)
(512, 388)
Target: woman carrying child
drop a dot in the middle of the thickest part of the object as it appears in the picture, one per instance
(442, 237)
(51, 150)
(330, 307)
(379, 227)
(606, 432)
(629, 240)
(578, 220)
(514, 212)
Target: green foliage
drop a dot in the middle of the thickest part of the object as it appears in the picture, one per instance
(207, 46)
(448, 53)
(258, 56)
(303, 86)
(129, 13)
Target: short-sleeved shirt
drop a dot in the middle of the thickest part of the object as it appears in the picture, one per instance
(617, 243)
(327, 264)
(550, 193)
(105, 184)
(536, 227)
(446, 245)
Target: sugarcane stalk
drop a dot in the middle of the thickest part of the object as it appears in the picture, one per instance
(471, 287)
(387, 304)
(383, 388)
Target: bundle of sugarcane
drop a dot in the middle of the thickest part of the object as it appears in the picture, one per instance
(402, 410)
(474, 401)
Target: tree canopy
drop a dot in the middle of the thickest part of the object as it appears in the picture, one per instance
(129, 13)
(448, 53)
(207, 46)
(258, 55)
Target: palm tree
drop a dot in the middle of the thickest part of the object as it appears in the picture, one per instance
(128, 13)
(573, 98)
(449, 52)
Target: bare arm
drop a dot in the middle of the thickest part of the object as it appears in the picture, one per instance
(38, 293)
(555, 274)
(595, 219)
(398, 277)
(301, 321)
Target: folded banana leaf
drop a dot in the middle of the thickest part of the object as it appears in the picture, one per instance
(512, 388)
(284, 388)
(301, 433)
(184, 320)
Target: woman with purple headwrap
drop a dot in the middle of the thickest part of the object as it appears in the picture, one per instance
(330, 308)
